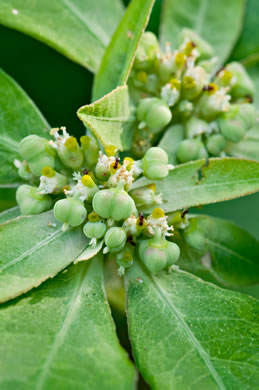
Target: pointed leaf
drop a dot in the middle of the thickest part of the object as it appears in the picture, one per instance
(109, 118)
(19, 117)
(220, 252)
(89, 252)
(78, 29)
(8, 214)
(189, 334)
(209, 19)
(119, 56)
(61, 336)
(33, 249)
(197, 183)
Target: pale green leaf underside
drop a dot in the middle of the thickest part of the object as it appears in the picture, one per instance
(196, 183)
(220, 252)
(19, 117)
(89, 252)
(109, 118)
(61, 336)
(78, 29)
(33, 249)
(8, 214)
(119, 56)
(188, 334)
(219, 22)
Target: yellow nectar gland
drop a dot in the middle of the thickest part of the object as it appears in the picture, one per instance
(226, 76)
(66, 188)
(93, 217)
(211, 89)
(114, 167)
(189, 48)
(110, 150)
(48, 172)
(180, 59)
(189, 82)
(87, 181)
(142, 76)
(152, 187)
(158, 213)
(128, 161)
(175, 83)
(71, 144)
(85, 141)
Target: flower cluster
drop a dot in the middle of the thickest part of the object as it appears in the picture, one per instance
(183, 86)
(93, 188)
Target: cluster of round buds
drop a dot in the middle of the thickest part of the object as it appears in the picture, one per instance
(91, 188)
(180, 87)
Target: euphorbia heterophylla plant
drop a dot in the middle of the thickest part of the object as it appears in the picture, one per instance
(172, 126)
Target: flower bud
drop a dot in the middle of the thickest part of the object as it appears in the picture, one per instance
(153, 113)
(155, 164)
(51, 182)
(193, 82)
(115, 239)
(38, 153)
(70, 153)
(188, 150)
(146, 52)
(125, 257)
(158, 253)
(23, 170)
(30, 201)
(90, 150)
(204, 48)
(213, 102)
(113, 203)
(216, 144)
(70, 211)
(195, 126)
(242, 84)
(234, 124)
(145, 197)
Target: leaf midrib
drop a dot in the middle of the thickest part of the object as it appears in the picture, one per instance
(198, 347)
(73, 307)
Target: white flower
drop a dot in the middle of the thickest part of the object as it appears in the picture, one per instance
(169, 94)
(220, 100)
(159, 224)
(130, 225)
(47, 185)
(60, 139)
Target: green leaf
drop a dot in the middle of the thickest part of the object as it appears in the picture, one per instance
(220, 252)
(189, 334)
(7, 194)
(79, 29)
(89, 252)
(61, 336)
(19, 117)
(110, 119)
(248, 43)
(33, 249)
(197, 183)
(219, 22)
(171, 140)
(8, 214)
(248, 147)
(119, 56)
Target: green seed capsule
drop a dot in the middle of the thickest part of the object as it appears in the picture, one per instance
(95, 229)
(243, 85)
(70, 211)
(90, 149)
(195, 127)
(216, 144)
(189, 150)
(125, 257)
(38, 153)
(31, 202)
(113, 203)
(155, 164)
(158, 253)
(234, 124)
(115, 239)
(146, 52)
(153, 113)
